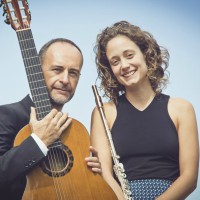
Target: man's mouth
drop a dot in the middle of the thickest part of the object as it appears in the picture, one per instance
(62, 90)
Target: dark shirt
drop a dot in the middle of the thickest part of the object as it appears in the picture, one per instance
(16, 162)
(146, 141)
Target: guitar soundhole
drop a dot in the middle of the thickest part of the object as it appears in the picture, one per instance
(59, 160)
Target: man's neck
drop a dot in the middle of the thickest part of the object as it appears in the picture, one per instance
(56, 106)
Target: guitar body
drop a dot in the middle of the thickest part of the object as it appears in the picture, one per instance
(78, 182)
(64, 173)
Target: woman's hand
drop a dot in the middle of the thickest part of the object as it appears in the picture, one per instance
(93, 161)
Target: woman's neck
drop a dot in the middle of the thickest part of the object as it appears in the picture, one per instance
(140, 98)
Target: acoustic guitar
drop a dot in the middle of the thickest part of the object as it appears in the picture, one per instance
(64, 174)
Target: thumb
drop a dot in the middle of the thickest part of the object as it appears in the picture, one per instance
(93, 151)
(33, 114)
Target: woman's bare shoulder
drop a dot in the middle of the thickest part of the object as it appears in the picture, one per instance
(179, 106)
(110, 112)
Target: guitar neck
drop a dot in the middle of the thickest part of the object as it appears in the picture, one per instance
(34, 73)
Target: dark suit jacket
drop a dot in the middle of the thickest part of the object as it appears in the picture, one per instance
(16, 162)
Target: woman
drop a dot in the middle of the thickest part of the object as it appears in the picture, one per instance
(154, 134)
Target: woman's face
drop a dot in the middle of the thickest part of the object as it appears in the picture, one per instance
(127, 61)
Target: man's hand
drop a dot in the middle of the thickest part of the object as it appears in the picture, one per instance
(93, 161)
(50, 127)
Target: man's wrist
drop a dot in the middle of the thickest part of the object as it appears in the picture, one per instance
(40, 143)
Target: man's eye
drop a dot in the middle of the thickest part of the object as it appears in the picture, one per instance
(56, 70)
(74, 74)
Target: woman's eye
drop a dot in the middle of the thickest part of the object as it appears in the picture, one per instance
(114, 62)
(130, 55)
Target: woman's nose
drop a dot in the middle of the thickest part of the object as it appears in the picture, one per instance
(124, 64)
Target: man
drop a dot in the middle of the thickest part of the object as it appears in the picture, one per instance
(61, 62)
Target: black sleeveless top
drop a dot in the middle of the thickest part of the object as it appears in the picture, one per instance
(146, 141)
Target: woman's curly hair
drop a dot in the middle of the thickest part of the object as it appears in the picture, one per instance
(156, 58)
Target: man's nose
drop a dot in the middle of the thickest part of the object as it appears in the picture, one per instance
(64, 77)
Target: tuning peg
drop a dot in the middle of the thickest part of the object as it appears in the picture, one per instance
(4, 10)
(1, 3)
(26, 3)
(7, 20)
(29, 12)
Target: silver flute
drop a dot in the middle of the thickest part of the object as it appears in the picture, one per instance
(118, 167)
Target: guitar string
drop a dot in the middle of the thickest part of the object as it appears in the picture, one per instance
(70, 181)
(24, 38)
(52, 155)
(43, 109)
(26, 63)
(56, 154)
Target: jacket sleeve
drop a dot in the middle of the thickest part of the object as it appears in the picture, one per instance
(15, 161)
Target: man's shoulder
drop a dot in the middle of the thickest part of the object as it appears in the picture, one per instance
(11, 107)
(17, 113)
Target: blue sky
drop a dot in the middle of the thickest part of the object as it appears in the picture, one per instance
(175, 25)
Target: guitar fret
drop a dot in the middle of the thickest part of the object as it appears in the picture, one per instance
(40, 107)
(30, 75)
(37, 96)
(32, 66)
(34, 73)
(36, 85)
(32, 61)
(42, 114)
(44, 106)
(25, 40)
(39, 88)
(29, 49)
(45, 100)
(30, 58)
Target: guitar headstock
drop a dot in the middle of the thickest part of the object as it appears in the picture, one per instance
(17, 13)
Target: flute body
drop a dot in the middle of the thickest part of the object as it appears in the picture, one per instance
(118, 167)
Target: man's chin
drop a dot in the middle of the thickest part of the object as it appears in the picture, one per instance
(60, 101)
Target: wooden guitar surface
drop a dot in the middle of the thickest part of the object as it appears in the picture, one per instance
(64, 174)
(79, 183)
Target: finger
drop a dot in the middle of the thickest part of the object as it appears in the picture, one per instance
(65, 125)
(57, 118)
(94, 164)
(63, 118)
(97, 170)
(33, 114)
(93, 151)
(92, 159)
(52, 114)
(95, 167)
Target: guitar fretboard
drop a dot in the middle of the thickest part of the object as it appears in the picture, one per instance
(34, 73)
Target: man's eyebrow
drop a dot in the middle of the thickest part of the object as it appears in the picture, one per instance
(72, 68)
(57, 66)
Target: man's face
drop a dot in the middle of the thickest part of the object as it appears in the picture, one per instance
(61, 67)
